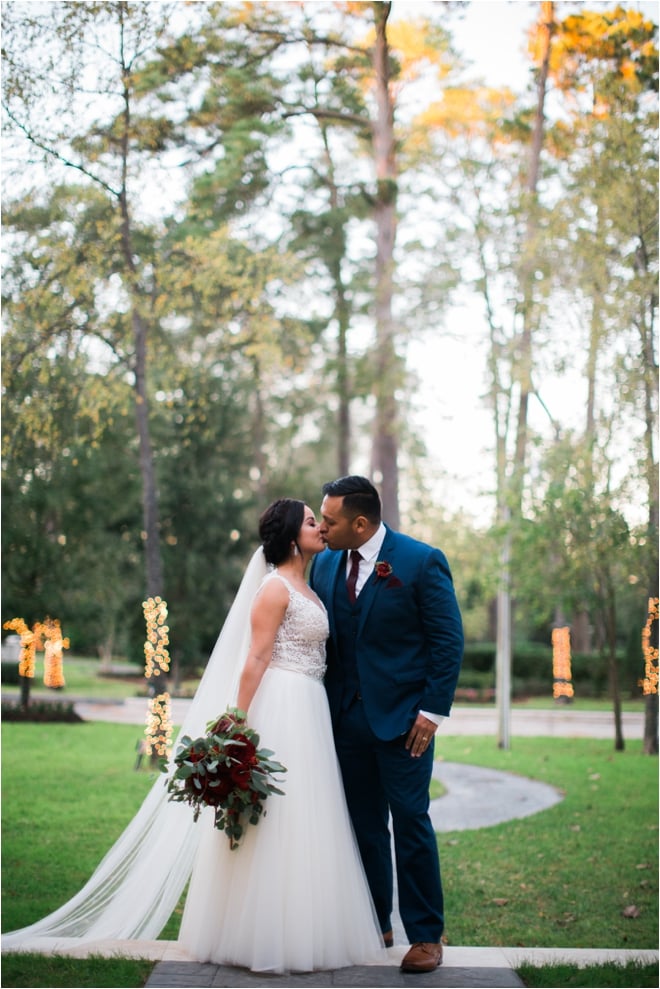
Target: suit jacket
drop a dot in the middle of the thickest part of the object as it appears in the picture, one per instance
(409, 641)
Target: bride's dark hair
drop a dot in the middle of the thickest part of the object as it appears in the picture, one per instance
(279, 525)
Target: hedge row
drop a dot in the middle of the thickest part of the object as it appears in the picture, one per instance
(41, 711)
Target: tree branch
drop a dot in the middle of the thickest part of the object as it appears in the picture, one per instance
(57, 155)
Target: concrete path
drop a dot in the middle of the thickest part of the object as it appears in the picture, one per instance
(564, 722)
(461, 967)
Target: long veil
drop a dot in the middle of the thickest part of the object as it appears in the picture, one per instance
(138, 883)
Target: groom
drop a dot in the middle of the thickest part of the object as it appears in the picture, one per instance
(394, 655)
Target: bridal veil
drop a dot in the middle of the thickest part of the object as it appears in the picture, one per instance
(137, 885)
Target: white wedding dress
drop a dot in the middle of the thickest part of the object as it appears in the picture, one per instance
(293, 895)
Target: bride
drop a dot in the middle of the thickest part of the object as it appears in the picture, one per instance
(293, 896)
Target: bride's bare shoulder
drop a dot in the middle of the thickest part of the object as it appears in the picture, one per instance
(274, 591)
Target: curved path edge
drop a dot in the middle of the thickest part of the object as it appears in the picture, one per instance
(478, 797)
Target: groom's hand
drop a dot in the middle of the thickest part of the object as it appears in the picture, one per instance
(420, 736)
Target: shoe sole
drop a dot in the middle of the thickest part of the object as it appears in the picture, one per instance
(426, 968)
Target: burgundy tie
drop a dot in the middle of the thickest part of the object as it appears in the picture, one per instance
(353, 575)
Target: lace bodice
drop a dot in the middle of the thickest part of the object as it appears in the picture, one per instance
(300, 639)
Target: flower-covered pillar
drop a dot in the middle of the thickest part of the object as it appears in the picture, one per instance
(562, 686)
(157, 663)
(26, 656)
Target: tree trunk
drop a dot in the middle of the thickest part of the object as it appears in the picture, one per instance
(258, 430)
(151, 533)
(342, 315)
(511, 497)
(529, 251)
(615, 688)
(650, 650)
(157, 683)
(26, 683)
(384, 458)
(651, 724)
(609, 614)
(650, 404)
(342, 311)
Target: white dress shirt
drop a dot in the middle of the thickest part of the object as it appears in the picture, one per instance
(369, 552)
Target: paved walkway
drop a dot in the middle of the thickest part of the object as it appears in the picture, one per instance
(476, 967)
(564, 721)
(476, 797)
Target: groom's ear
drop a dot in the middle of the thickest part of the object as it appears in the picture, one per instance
(360, 523)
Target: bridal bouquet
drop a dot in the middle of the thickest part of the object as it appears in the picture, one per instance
(225, 769)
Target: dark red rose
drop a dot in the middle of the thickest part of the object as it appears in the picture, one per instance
(241, 776)
(222, 787)
(245, 753)
(383, 569)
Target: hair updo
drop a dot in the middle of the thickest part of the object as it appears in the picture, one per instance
(279, 527)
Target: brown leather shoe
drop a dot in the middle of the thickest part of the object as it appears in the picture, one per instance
(422, 957)
(388, 939)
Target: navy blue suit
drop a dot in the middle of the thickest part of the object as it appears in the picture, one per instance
(396, 651)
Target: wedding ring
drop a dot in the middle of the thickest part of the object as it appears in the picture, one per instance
(424, 738)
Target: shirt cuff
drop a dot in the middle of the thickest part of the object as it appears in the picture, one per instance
(435, 718)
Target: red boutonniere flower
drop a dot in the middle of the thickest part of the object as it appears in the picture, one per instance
(383, 569)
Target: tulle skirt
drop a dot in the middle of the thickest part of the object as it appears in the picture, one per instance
(293, 896)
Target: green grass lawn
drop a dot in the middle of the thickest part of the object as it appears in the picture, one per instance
(56, 972)
(582, 874)
(566, 877)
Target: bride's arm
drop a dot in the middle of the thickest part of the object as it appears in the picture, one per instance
(267, 615)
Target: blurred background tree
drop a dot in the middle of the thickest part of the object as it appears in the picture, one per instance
(219, 268)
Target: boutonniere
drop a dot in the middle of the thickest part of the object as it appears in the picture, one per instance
(383, 569)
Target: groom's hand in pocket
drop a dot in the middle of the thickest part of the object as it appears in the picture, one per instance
(420, 736)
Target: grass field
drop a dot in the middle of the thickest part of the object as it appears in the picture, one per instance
(571, 875)
(581, 874)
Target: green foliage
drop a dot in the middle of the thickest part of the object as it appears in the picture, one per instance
(10, 673)
(42, 711)
(253, 275)
(70, 510)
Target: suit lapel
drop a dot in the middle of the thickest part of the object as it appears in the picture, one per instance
(374, 585)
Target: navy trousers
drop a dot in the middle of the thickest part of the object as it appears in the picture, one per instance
(381, 778)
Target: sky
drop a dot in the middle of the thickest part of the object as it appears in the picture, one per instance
(454, 421)
(451, 414)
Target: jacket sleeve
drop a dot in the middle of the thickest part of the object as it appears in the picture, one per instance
(442, 627)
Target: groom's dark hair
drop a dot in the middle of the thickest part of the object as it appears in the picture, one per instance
(359, 494)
